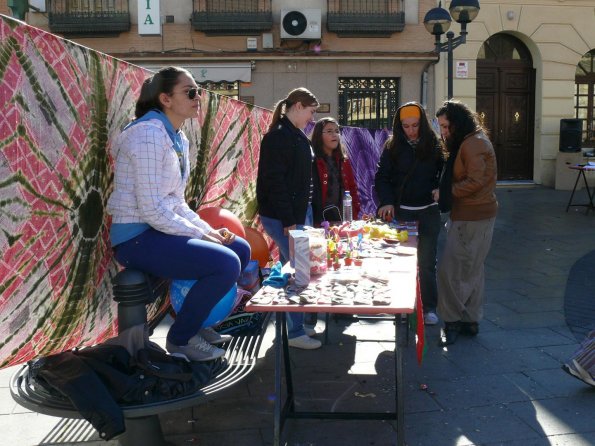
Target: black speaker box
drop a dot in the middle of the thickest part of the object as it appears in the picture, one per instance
(571, 135)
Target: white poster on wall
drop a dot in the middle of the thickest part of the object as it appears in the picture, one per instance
(149, 18)
(462, 69)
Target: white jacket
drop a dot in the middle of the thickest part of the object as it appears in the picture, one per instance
(148, 184)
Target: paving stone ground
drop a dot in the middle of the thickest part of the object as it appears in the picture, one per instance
(504, 387)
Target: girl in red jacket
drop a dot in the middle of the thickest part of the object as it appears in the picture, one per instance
(332, 174)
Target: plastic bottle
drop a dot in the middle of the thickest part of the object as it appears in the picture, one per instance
(347, 212)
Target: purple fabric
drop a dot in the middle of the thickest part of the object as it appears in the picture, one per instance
(363, 148)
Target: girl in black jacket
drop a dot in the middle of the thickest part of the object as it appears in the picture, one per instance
(284, 186)
(407, 183)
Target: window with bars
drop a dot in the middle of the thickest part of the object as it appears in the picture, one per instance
(232, 5)
(584, 96)
(91, 5)
(365, 6)
(231, 89)
(368, 102)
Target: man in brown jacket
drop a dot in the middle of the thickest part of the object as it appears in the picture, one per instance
(471, 223)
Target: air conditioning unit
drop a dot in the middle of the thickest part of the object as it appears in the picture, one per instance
(301, 24)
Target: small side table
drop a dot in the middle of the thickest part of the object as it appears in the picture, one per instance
(581, 169)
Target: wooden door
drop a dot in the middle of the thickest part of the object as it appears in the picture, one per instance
(505, 98)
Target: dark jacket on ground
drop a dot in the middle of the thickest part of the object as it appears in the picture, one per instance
(284, 181)
(418, 188)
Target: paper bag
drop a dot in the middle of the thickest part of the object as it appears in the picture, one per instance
(299, 256)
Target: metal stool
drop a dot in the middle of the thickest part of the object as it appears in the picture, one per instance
(133, 291)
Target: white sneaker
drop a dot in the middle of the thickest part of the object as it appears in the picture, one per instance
(310, 331)
(197, 349)
(304, 342)
(583, 374)
(430, 318)
(213, 337)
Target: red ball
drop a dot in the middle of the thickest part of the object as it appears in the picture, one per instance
(258, 246)
(222, 218)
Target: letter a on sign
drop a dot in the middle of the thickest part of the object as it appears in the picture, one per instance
(149, 18)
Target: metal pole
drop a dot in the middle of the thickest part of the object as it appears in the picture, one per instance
(450, 35)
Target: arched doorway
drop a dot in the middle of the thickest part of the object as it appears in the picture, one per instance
(505, 103)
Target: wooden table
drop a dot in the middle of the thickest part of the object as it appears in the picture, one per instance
(401, 270)
(581, 169)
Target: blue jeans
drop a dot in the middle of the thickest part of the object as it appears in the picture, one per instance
(215, 267)
(274, 228)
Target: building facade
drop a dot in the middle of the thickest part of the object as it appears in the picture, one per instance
(529, 66)
(524, 68)
(360, 58)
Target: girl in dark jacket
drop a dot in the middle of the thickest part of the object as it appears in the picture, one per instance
(406, 183)
(284, 186)
(332, 174)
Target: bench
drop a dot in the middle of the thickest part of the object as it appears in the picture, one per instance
(133, 290)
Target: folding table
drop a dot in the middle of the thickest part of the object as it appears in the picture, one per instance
(581, 169)
(401, 269)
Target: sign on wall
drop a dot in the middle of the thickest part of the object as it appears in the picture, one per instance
(149, 18)
(462, 70)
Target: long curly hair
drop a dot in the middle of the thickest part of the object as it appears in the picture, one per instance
(462, 122)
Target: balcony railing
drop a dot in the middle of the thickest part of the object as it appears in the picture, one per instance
(232, 17)
(377, 18)
(89, 17)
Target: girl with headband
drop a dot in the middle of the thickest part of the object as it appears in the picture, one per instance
(406, 184)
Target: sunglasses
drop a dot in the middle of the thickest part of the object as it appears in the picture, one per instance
(191, 93)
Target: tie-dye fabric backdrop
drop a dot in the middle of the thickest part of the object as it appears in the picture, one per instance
(61, 105)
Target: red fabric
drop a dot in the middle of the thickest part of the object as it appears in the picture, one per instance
(348, 181)
(421, 335)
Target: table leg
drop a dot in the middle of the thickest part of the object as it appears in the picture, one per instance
(279, 322)
(290, 402)
(590, 205)
(282, 361)
(399, 388)
(578, 177)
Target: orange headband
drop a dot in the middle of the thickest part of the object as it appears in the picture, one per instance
(409, 111)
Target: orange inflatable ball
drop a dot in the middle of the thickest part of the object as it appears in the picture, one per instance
(258, 246)
(222, 218)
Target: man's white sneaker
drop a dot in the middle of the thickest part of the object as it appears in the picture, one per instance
(430, 318)
(197, 349)
(304, 342)
(213, 337)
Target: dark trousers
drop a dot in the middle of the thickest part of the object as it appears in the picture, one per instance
(215, 267)
(429, 225)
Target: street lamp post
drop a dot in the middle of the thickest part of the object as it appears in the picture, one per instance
(437, 22)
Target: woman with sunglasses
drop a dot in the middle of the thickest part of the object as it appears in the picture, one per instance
(284, 186)
(153, 228)
(333, 174)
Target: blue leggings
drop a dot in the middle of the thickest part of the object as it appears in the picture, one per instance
(215, 267)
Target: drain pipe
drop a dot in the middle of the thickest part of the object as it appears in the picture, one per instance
(423, 95)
